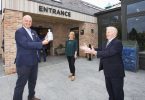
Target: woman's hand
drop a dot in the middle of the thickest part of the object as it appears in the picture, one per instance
(75, 56)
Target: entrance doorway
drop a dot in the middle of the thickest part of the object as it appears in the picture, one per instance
(42, 33)
(76, 31)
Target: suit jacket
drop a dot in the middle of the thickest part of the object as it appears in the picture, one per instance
(26, 47)
(111, 59)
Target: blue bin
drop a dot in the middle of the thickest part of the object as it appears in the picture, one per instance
(130, 55)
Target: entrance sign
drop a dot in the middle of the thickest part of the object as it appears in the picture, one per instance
(54, 11)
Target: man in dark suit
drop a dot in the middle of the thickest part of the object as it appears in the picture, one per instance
(28, 44)
(110, 55)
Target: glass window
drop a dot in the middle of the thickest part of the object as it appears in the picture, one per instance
(136, 7)
(136, 30)
(110, 20)
(113, 20)
(105, 21)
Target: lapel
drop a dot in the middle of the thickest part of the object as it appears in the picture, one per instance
(110, 43)
(27, 35)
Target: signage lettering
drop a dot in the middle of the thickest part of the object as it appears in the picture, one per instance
(54, 11)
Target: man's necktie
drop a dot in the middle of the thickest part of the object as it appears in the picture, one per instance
(107, 43)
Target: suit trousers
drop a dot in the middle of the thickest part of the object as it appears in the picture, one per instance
(25, 74)
(71, 61)
(114, 88)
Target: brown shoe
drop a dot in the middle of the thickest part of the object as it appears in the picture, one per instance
(70, 75)
(72, 78)
(34, 98)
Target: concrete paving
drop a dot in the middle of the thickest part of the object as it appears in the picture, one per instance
(1, 67)
(53, 82)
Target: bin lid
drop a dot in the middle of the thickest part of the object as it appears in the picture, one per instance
(130, 43)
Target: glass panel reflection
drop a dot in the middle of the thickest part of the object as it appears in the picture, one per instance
(110, 20)
(136, 7)
(136, 30)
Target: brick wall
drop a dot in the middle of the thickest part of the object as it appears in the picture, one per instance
(12, 21)
(60, 32)
(1, 34)
(88, 37)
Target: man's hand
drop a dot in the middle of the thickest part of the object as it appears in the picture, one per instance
(44, 42)
(84, 47)
(94, 51)
(75, 56)
(88, 50)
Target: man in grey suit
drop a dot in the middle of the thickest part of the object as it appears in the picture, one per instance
(28, 44)
(110, 54)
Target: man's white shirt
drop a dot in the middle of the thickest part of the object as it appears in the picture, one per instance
(29, 32)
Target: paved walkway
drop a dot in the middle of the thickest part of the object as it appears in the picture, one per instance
(1, 68)
(53, 82)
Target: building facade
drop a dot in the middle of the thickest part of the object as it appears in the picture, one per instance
(133, 21)
(129, 19)
(133, 25)
(109, 17)
(61, 16)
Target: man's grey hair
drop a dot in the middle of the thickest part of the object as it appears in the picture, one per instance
(27, 16)
(112, 28)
